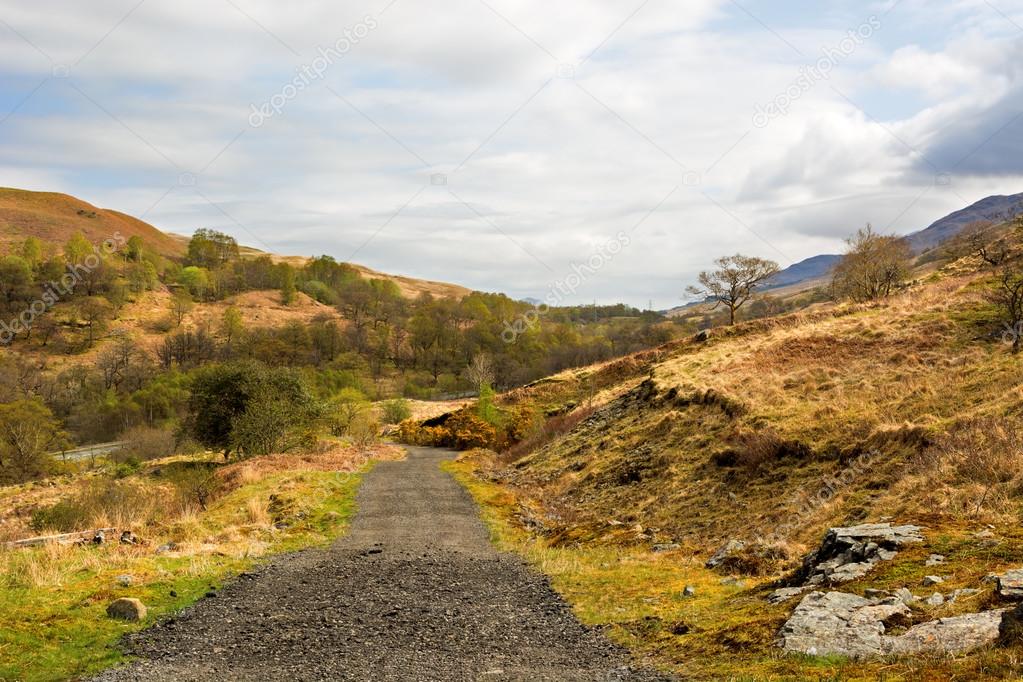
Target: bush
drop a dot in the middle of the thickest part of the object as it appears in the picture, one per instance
(395, 411)
(364, 429)
(344, 408)
(103, 502)
(197, 483)
(252, 408)
(144, 443)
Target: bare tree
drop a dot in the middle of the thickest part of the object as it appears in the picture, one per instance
(1008, 296)
(734, 282)
(481, 371)
(872, 267)
(978, 239)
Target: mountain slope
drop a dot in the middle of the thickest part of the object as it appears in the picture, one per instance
(995, 208)
(768, 434)
(53, 218)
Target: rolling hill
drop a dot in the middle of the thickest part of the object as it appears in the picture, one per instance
(52, 218)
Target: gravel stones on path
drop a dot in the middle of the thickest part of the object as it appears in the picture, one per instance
(415, 591)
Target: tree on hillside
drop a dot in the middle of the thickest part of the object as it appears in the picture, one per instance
(1008, 296)
(250, 408)
(979, 240)
(481, 372)
(210, 249)
(287, 284)
(28, 431)
(734, 281)
(181, 305)
(77, 248)
(872, 267)
(231, 325)
(32, 251)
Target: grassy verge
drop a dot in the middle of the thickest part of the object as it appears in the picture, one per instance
(53, 624)
(725, 631)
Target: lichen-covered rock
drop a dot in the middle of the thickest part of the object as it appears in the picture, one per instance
(724, 552)
(849, 553)
(784, 594)
(1010, 584)
(949, 635)
(836, 623)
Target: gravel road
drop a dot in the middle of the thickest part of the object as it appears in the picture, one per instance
(414, 591)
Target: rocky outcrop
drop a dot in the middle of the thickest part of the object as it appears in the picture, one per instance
(836, 623)
(725, 552)
(949, 635)
(1010, 584)
(849, 553)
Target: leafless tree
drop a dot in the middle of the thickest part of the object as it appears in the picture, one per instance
(734, 281)
(481, 371)
(872, 267)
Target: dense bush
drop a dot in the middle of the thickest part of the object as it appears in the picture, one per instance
(395, 411)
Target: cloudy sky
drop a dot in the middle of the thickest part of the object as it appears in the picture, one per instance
(497, 143)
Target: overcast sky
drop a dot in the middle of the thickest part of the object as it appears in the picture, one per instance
(495, 143)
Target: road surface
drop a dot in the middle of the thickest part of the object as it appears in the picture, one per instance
(415, 591)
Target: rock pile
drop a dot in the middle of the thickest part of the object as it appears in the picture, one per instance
(850, 553)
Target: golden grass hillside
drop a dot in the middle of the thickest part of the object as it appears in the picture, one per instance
(53, 218)
(908, 410)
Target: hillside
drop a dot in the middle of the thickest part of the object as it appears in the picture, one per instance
(53, 218)
(748, 447)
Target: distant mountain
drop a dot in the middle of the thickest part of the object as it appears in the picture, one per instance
(813, 268)
(994, 208)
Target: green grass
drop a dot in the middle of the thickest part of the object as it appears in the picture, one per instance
(55, 627)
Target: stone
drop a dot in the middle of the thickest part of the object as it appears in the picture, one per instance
(129, 538)
(949, 635)
(127, 608)
(667, 547)
(836, 623)
(784, 594)
(689, 591)
(724, 552)
(936, 599)
(839, 624)
(849, 553)
(1010, 584)
(964, 592)
(931, 580)
(167, 547)
(905, 596)
(934, 560)
(125, 580)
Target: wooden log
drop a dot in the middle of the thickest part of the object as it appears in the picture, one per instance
(64, 538)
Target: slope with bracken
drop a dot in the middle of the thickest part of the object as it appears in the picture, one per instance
(908, 410)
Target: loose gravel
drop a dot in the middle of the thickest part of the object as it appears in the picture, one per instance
(414, 591)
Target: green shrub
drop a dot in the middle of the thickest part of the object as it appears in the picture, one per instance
(395, 411)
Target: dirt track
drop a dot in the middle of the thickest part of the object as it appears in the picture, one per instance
(415, 591)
